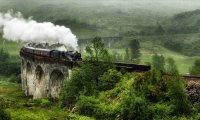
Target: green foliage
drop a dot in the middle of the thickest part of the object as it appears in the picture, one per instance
(97, 51)
(179, 96)
(195, 69)
(4, 115)
(127, 58)
(135, 108)
(88, 105)
(84, 79)
(161, 111)
(71, 89)
(171, 67)
(4, 55)
(173, 45)
(45, 103)
(158, 62)
(135, 50)
(108, 80)
(9, 66)
(159, 30)
(119, 91)
(155, 76)
(15, 79)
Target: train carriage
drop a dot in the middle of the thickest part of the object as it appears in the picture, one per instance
(68, 55)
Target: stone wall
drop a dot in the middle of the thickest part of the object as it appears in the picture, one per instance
(41, 79)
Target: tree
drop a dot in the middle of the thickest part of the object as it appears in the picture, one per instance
(159, 30)
(3, 55)
(173, 45)
(97, 51)
(85, 80)
(178, 96)
(127, 56)
(171, 67)
(195, 69)
(134, 107)
(177, 91)
(135, 50)
(158, 62)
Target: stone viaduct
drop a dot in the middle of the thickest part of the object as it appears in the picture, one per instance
(42, 77)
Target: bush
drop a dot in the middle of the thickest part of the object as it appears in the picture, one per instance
(88, 105)
(4, 115)
(85, 80)
(45, 103)
(4, 55)
(158, 62)
(161, 111)
(70, 93)
(178, 96)
(195, 69)
(108, 80)
(15, 79)
(135, 108)
(9, 68)
(157, 87)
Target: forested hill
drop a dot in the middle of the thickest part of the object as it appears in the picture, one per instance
(88, 18)
(185, 22)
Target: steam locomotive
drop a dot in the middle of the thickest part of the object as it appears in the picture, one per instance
(67, 55)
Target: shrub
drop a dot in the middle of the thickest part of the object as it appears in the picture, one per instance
(88, 105)
(195, 69)
(85, 80)
(197, 116)
(91, 106)
(4, 55)
(161, 111)
(135, 108)
(9, 68)
(108, 80)
(158, 62)
(179, 97)
(4, 115)
(157, 87)
(45, 103)
(15, 79)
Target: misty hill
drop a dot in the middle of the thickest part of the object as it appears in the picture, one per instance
(185, 22)
(90, 18)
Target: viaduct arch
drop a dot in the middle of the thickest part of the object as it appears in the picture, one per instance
(42, 77)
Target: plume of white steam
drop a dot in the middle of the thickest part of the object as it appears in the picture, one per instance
(16, 28)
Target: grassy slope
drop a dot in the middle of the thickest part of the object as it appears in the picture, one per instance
(147, 46)
(183, 62)
(22, 108)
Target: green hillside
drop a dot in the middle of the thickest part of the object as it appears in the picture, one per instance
(98, 18)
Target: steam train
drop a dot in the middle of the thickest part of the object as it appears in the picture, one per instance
(56, 54)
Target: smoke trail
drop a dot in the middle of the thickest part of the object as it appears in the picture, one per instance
(17, 28)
